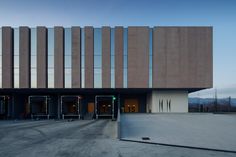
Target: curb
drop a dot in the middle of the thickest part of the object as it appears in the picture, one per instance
(182, 146)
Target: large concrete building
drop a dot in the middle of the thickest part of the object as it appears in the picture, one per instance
(94, 72)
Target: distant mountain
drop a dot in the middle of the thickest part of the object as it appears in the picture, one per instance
(204, 101)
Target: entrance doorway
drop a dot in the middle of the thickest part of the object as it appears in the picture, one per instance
(4, 107)
(70, 106)
(39, 106)
(91, 107)
(131, 105)
(104, 106)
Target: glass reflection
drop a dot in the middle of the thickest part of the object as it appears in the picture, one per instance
(33, 77)
(97, 41)
(67, 58)
(68, 78)
(97, 62)
(97, 58)
(16, 57)
(33, 58)
(97, 78)
(50, 58)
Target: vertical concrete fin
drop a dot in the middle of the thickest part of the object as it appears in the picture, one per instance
(76, 57)
(42, 53)
(89, 57)
(119, 47)
(24, 57)
(7, 57)
(106, 57)
(59, 71)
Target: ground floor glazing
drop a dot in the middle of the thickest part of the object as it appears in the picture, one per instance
(90, 104)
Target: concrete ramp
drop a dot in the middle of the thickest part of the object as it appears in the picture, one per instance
(205, 131)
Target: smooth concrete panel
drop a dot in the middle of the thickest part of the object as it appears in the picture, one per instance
(42, 52)
(182, 57)
(106, 57)
(7, 57)
(59, 71)
(24, 58)
(138, 57)
(76, 57)
(168, 101)
(89, 57)
(119, 47)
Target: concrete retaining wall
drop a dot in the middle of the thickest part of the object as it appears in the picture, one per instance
(167, 101)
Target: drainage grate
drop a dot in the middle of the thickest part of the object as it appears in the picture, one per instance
(145, 138)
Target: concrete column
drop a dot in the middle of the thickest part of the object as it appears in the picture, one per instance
(89, 57)
(76, 57)
(106, 57)
(119, 47)
(7, 57)
(24, 51)
(59, 71)
(42, 53)
(138, 57)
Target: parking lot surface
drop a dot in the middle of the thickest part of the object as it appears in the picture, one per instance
(85, 138)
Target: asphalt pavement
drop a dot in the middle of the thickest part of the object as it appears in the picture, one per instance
(85, 138)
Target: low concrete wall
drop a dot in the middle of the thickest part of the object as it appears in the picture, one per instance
(167, 101)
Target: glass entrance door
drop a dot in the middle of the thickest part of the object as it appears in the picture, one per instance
(131, 105)
(104, 106)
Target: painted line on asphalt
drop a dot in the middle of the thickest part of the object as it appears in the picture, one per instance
(181, 146)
